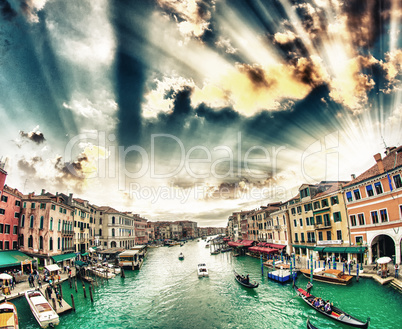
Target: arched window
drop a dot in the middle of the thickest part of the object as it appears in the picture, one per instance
(112, 231)
(40, 242)
(30, 242)
(51, 224)
(31, 221)
(100, 232)
(51, 243)
(113, 220)
(22, 221)
(41, 223)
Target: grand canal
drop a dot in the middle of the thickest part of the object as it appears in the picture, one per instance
(166, 293)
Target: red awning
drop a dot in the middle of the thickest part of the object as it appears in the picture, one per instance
(263, 250)
(277, 246)
(226, 239)
(247, 243)
(235, 244)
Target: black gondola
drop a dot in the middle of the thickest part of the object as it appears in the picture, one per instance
(309, 325)
(244, 281)
(336, 314)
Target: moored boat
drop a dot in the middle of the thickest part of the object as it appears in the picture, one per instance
(329, 276)
(245, 281)
(215, 252)
(202, 270)
(309, 325)
(335, 313)
(181, 256)
(281, 275)
(41, 309)
(8, 316)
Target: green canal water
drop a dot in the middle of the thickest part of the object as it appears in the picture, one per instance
(167, 293)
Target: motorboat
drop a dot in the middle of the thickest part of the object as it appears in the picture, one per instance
(41, 309)
(181, 256)
(328, 275)
(202, 270)
(8, 316)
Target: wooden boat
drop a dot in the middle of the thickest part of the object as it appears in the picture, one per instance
(8, 316)
(269, 263)
(309, 325)
(329, 276)
(181, 256)
(215, 252)
(336, 314)
(244, 281)
(202, 270)
(41, 309)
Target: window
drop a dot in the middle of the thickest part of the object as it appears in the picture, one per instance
(295, 222)
(15, 229)
(17, 203)
(378, 187)
(53, 207)
(316, 205)
(353, 220)
(307, 221)
(299, 210)
(374, 217)
(64, 211)
(304, 192)
(397, 181)
(113, 233)
(16, 215)
(51, 224)
(369, 190)
(324, 203)
(339, 235)
(334, 200)
(43, 206)
(30, 242)
(51, 243)
(1, 228)
(296, 238)
(58, 227)
(327, 221)
(384, 215)
(1, 245)
(307, 207)
(329, 235)
(361, 219)
(2, 211)
(359, 239)
(58, 243)
(356, 193)
(41, 242)
(113, 220)
(293, 210)
(320, 236)
(41, 223)
(24, 205)
(318, 219)
(33, 205)
(7, 229)
(21, 239)
(337, 217)
(301, 237)
(349, 196)
(31, 221)
(4, 198)
(15, 245)
(311, 220)
(301, 221)
(22, 221)
(60, 211)
(6, 245)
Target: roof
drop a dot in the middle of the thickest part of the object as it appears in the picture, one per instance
(52, 267)
(334, 186)
(391, 161)
(129, 253)
(13, 258)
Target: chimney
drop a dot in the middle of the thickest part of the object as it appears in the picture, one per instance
(380, 165)
(70, 198)
(43, 192)
(353, 176)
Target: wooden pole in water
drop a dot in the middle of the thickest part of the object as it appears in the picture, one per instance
(83, 288)
(90, 293)
(75, 284)
(54, 304)
(123, 275)
(69, 281)
(72, 302)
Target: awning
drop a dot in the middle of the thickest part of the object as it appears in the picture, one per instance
(310, 247)
(319, 249)
(299, 246)
(276, 246)
(60, 258)
(340, 250)
(263, 250)
(321, 211)
(13, 258)
(247, 243)
(84, 254)
(235, 244)
(355, 250)
(52, 267)
(80, 263)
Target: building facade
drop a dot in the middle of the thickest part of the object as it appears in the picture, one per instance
(10, 208)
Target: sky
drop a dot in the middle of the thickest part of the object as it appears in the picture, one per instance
(191, 110)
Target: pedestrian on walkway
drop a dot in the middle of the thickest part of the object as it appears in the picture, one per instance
(396, 270)
(39, 282)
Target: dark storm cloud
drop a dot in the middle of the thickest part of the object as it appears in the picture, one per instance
(6, 10)
(28, 166)
(256, 75)
(35, 136)
(71, 170)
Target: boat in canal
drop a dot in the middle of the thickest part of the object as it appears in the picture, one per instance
(328, 276)
(181, 256)
(8, 316)
(215, 252)
(335, 313)
(309, 325)
(202, 270)
(41, 309)
(245, 281)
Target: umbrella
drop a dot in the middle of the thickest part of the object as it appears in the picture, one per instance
(384, 260)
(5, 276)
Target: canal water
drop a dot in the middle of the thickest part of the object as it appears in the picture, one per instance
(167, 293)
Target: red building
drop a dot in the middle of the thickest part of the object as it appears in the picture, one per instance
(10, 203)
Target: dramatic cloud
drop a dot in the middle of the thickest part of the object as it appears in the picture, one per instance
(35, 136)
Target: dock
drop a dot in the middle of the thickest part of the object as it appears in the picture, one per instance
(55, 304)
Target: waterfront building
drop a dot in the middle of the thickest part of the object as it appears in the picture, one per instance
(46, 227)
(281, 227)
(81, 217)
(189, 229)
(265, 222)
(150, 231)
(10, 207)
(318, 221)
(140, 225)
(230, 227)
(374, 206)
(176, 231)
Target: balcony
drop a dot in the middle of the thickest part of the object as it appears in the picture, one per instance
(277, 227)
(326, 224)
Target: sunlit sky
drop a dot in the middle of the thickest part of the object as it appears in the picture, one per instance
(190, 110)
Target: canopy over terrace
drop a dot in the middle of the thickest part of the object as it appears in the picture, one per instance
(13, 258)
(240, 244)
(263, 250)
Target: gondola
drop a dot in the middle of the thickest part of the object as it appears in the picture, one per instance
(309, 325)
(336, 314)
(243, 281)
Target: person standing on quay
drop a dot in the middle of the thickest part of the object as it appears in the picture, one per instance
(396, 270)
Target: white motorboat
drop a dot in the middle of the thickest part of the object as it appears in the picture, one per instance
(41, 309)
(202, 270)
(8, 316)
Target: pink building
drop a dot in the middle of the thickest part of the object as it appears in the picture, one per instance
(10, 203)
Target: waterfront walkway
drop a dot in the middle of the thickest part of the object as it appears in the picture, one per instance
(23, 286)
